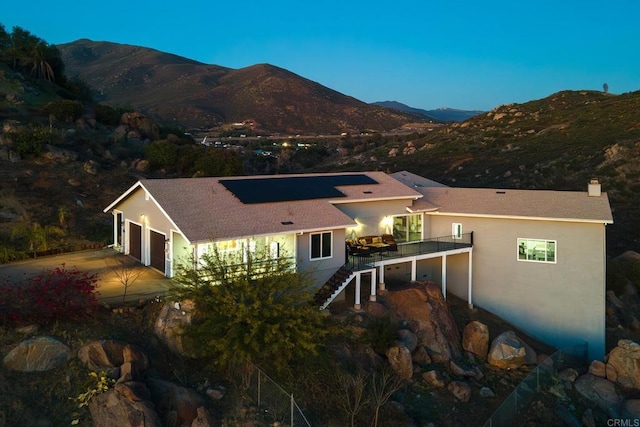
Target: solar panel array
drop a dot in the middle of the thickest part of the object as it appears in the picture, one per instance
(286, 189)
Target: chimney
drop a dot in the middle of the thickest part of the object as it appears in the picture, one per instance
(594, 188)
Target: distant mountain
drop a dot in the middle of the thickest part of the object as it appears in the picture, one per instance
(186, 92)
(559, 142)
(440, 114)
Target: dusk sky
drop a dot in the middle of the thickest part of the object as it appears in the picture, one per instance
(463, 54)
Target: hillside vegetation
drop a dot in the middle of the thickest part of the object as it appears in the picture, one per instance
(192, 94)
(557, 143)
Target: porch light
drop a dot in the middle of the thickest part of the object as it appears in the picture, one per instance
(386, 224)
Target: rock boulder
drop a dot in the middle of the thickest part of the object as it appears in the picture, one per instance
(399, 358)
(173, 317)
(37, 354)
(126, 404)
(599, 392)
(475, 339)
(623, 365)
(427, 314)
(510, 352)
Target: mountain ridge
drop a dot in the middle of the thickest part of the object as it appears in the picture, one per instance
(189, 93)
(444, 114)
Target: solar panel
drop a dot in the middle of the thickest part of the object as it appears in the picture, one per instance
(286, 189)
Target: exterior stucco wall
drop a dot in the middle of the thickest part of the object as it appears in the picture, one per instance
(182, 252)
(146, 213)
(370, 215)
(561, 304)
(321, 269)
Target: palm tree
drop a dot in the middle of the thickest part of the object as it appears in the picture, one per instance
(37, 236)
(38, 57)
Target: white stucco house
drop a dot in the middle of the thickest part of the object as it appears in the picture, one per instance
(535, 258)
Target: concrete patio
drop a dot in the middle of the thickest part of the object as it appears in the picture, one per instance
(104, 262)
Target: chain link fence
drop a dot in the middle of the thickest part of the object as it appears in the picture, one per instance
(275, 405)
(519, 399)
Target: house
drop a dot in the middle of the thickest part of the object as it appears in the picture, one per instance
(535, 258)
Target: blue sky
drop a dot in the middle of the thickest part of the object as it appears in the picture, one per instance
(427, 54)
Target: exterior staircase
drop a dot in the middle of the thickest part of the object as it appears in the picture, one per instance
(327, 293)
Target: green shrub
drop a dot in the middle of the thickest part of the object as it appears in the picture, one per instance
(30, 141)
(65, 109)
(381, 333)
(161, 154)
(109, 115)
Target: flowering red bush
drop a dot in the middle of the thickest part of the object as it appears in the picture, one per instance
(57, 294)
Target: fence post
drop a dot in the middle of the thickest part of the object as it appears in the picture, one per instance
(259, 372)
(292, 403)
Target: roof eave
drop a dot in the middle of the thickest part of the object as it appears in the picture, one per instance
(122, 197)
(522, 217)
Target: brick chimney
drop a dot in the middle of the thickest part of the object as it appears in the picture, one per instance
(594, 189)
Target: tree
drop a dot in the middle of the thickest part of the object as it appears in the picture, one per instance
(353, 397)
(124, 268)
(383, 384)
(161, 154)
(5, 39)
(249, 309)
(36, 235)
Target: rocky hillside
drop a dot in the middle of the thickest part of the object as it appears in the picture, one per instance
(440, 362)
(178, 90)
(558, 142)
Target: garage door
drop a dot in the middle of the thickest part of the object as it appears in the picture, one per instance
(156, 240)
(135, 241)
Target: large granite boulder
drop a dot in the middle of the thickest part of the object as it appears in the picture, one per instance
(110, 356)
(426, 312)
(178, 405)
(127, 404)
(399, 358)
(170, 324)
(623, 365)
(475, 339)
(599, 392)
(144, 126)
(510, 352)
(37, 354)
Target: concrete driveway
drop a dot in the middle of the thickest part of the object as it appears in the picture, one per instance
(107, 264)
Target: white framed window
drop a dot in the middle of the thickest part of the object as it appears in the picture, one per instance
(321, 246)
(537, 250)
(456, 230)
(229, 245)
(407, 228)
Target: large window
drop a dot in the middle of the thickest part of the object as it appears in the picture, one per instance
(407, 228)
(537, 250)
(321, 245)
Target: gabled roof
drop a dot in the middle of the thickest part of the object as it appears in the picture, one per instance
(521, 204)
(204, 209)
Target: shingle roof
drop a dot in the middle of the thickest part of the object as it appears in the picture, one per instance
(204, 209)
(414, 181)
(537, 204)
